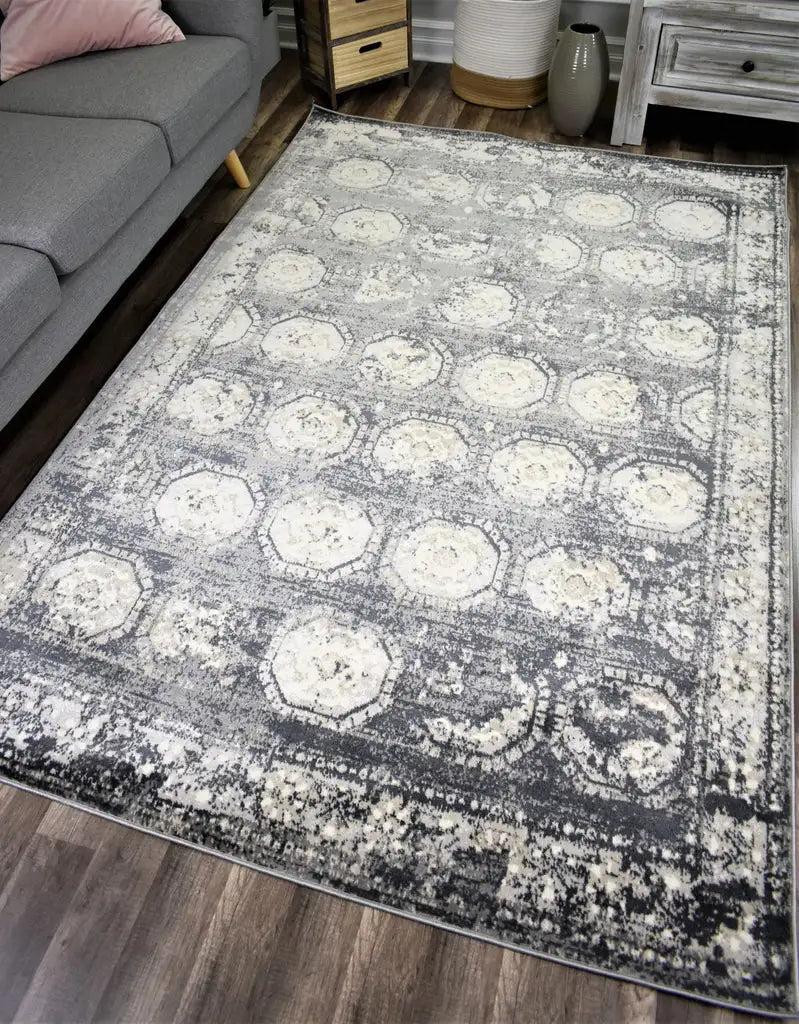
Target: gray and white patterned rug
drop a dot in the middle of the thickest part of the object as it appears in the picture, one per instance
(432, 547)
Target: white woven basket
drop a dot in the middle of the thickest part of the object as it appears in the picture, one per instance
(505, 38)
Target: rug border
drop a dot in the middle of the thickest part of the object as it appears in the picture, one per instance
(328, 890)
(613, 151)
(793, 558)
(792, 492)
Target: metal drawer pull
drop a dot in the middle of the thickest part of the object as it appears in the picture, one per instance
(747, 66)
(369, 46)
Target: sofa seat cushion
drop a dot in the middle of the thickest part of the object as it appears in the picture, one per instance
(183, 88)
(29, 293)
(69, 184)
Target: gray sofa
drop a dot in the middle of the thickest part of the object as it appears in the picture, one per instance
(98, 156)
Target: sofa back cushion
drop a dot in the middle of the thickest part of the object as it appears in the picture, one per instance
(37, 32)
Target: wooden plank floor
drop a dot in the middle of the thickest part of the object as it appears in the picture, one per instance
(102, 923)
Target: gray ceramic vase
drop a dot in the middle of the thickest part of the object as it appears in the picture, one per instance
(578, 78)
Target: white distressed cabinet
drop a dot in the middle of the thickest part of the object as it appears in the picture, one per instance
(722, 55)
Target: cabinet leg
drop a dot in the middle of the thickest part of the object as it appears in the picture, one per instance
(640, 54)
(629, 132)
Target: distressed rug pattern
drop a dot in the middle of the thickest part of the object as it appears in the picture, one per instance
(432, 547)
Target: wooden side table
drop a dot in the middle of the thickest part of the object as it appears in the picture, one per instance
(730, 56)
(347, 43)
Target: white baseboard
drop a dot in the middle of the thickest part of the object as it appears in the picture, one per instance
(433, 25)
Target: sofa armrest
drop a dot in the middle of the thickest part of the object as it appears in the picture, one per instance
(241, 19)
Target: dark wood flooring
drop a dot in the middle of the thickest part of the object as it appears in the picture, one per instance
(102, 923)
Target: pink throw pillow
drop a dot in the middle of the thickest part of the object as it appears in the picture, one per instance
(37, 32)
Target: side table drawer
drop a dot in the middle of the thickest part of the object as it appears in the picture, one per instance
(370, 57)
(731, 61)
(349, 17)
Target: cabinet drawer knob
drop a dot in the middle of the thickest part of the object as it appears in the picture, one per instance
(369, 46)
(748, 65)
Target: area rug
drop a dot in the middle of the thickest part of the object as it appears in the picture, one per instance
(431, 548)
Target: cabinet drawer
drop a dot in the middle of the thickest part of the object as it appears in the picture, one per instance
(348, 17)
(370, 57)
(732, 62)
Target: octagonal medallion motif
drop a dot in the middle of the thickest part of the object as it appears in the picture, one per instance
(303, 339)
(564, 583)
(210, 406)
(401, 361)
(605, 396)
(312, 425)
(233, 328)
(479, 304)
(599, 209)
(443, 186)
(290, 270)
(505, 382)
(388, 283)
(531, 472)
(367, 227)
(360, 172)
(320, 532)
(657, 496)
(89, 594)
(697, 409)
(515, 203)
(692, 220)
(205, 504)
(623, 737)
(558, 253)
(418, 446)
(329, 668)
(688, 339)
(446, 560)
(637, 265)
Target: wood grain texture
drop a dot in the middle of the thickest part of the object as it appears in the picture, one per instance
(766, 15)
(740, 62)
(683, 53)
(348, 17)
(432, 83)
(32, 905)
(644, 55)
(370, 57)
(628, 79)
(507, 93)
(724, 102)
(97, 920)
(299, 984)
(381, 99)
(457, 980)
(162, 948)
(345, 43)
(100, 922)
(239, 944)
(20, 816)
(312, 13)
(374, 955)
(316, 57)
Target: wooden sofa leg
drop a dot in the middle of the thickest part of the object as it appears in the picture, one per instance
(237, 172)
